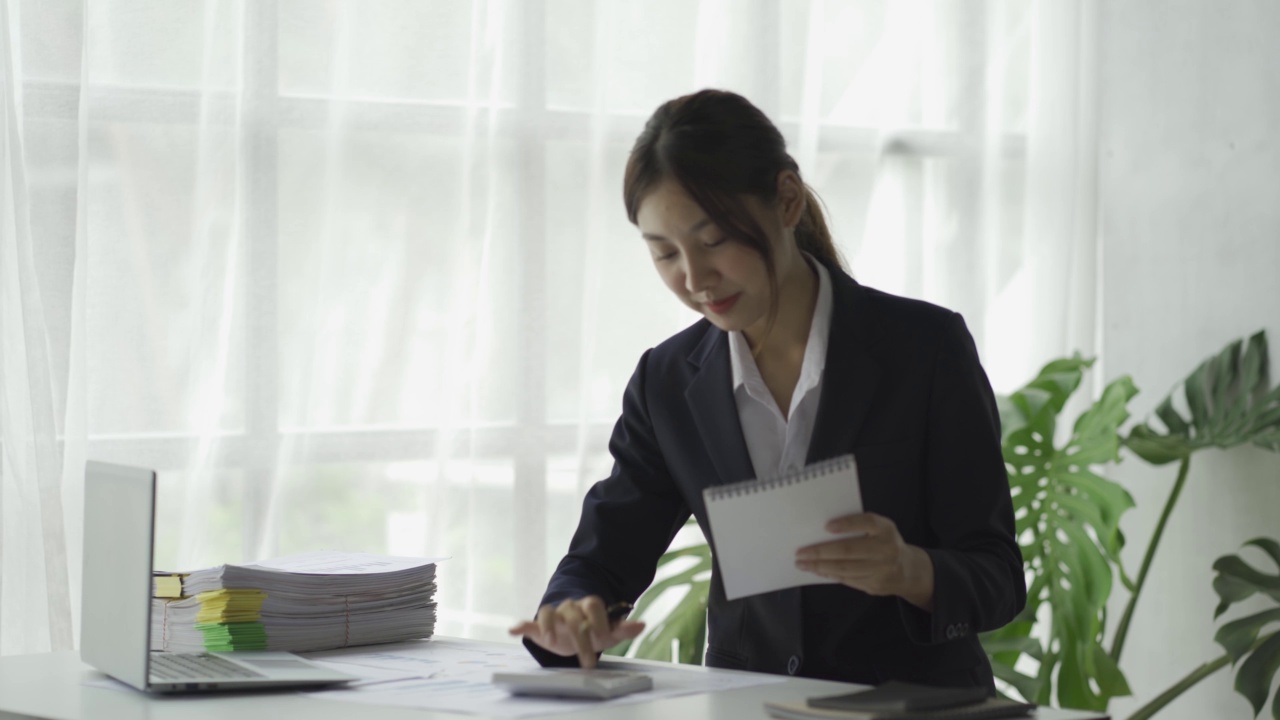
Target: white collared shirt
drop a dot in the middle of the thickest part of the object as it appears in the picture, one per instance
(780, 444)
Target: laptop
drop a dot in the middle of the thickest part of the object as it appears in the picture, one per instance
(115, 627)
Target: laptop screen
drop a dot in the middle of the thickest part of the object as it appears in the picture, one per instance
(115, 622)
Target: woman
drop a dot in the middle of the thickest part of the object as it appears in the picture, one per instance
(793, 363)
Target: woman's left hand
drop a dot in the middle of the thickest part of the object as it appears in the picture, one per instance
(875, 560)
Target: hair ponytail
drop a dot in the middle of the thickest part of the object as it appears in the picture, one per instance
(812, 234)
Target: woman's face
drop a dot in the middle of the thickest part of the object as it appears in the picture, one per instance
(723, 280)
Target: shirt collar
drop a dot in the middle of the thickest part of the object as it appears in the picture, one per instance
(743, 364)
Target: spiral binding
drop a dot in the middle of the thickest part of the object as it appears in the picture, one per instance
(751, 487)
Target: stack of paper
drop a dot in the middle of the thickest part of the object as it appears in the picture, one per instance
(315, 601)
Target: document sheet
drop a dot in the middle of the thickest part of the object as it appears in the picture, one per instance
(757, 525)
(455, 676)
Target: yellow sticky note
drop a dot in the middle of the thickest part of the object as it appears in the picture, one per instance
(167, 586)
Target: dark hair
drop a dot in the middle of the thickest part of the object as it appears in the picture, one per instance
(719, 147)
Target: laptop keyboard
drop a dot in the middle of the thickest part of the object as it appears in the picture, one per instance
(184, 666)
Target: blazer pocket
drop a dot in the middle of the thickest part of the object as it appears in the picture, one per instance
(887, 453)
(725, 659)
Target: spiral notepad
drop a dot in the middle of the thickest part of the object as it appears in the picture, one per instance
(757, 525)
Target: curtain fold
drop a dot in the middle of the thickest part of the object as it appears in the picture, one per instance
(34, 549)
(357, 275)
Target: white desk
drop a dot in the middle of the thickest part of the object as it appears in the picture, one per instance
(50, 685)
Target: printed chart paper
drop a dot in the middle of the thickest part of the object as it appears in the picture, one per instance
(454, 676)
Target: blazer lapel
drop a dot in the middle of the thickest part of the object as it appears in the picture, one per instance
(851, 374)
(710, 398)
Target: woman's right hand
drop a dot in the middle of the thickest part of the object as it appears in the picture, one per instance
(580, 627)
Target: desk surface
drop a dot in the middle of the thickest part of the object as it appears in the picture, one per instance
(50, 685)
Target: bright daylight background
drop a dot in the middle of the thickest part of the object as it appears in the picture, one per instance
(357, 274)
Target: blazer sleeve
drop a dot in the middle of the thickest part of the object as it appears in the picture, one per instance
(979, 583)
(628, 519)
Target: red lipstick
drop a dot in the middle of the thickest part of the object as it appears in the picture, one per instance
(720, 307)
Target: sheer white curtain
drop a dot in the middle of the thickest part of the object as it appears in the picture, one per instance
(356, 274)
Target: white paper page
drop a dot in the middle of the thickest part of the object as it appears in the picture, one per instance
(756, 534)
(458, 678)
(367, 675)
(331, 561)
(346, 563)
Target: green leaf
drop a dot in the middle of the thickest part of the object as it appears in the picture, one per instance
(1257, 660)
(1010, 417)
(1090, 569)
(1073, 685)
(1154, 448)
(1068, 520)
(1045, 678)
(1017, 644)
(699, 551)
(1197, 396)
(1235, 568)
(1231, 590)
(1264, 417)
(1108, 413)
(683, 578)
(1225, 388)
(1028, 687)
(1255, 366)
(1258, 671)
(1238, 635)
(1172, 420)
(686, 622)
(1110, 680)
(1230, 404)
(1267, 545)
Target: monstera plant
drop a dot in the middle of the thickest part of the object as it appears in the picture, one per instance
(1068, 523)
(681, 634)
(1257, 654)
(1230, 402)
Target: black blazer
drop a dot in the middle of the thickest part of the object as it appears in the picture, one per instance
(904, 392)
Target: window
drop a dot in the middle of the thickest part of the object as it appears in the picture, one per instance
(358, 273)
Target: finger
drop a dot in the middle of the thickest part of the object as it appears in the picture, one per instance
(528, 627)
(848, 548)
(842, 570)
(868, 523)
(844, 519)
(871, 583)
(597, 620)
(546, 620)
(626, 630)
(586, 646)
(570, 615)
(568, 619)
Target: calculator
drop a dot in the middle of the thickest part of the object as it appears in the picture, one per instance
(574, 683)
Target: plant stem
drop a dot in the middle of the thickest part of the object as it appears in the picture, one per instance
(1122, 630)
(1156, 705)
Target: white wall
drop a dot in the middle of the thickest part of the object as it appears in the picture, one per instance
(1189, 176)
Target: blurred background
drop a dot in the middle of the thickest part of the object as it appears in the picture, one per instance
(357, 275)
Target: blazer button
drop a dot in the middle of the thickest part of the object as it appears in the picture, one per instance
(793, 665)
